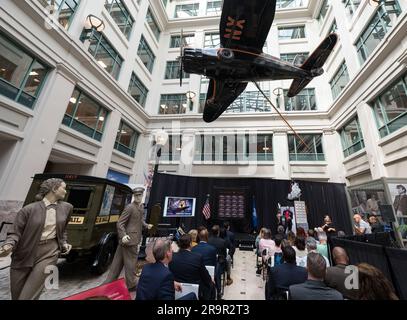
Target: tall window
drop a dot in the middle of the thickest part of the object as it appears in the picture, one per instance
(212, 40)
(126, 139)
(352, 139)
(249, 101)
(381, 23)
(173, 104)
(188, 39)
(137, 90)
(186, 10)
(214, 8)
(21, 75)
(104, 53)
(153, 24)
(171, 151)
(311, 150)
(223, 148)
(351, 6)
(282, 4)
(85, 115)
(295, 58)
(390, 107)
(173, 69)
(286, 33)
(262, 145)
(305, 100)
(146, 54)
(323, 11)
(339, 80)
(120, 15)
(65, 9)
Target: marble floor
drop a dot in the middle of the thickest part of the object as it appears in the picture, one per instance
(246, 284)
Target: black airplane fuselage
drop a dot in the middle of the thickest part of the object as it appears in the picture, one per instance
(234, 65)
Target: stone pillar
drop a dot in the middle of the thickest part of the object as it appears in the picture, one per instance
(187, 153)
(334, 156)
(281, 156)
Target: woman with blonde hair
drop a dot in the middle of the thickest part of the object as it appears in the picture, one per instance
(194, 236)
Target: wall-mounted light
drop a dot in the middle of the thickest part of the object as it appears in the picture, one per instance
(374, 3)
(92, 23)
(190, 96)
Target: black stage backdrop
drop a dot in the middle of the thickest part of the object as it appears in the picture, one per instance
(320, 198)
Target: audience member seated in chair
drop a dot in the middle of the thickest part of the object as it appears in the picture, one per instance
(156, 280)
(220, 246)
(278, 253)
(207, 251)
(314, 288)
(282, 276)
(188, 267)
(373, 284)
(335, 276)
(267, 243)
(231, 237)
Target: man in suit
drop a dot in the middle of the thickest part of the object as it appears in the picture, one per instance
(314, 288)
(335, 276)
(129, 228)
(207, 251)
(188, 267)
(282, 276)
(37, 238)
(231, 236)
(220, 245)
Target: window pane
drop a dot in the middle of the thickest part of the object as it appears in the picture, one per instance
(212, 40)
(145, 54)
(137, 90)
(87, 112)
(35, 78)
(305, 100)
(153, 24)
(285, 33)
(72, 103)
(14, 63)
(173, 104)
(120, 15)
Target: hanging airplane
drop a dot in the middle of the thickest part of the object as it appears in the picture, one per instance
(244, 27)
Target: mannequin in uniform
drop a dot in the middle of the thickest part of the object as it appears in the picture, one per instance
(37, 238)
(129, 229)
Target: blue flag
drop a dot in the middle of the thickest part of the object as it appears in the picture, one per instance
(254, 216)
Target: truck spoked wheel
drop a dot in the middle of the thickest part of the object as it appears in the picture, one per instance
(105, 257)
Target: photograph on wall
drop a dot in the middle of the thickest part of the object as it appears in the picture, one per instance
(230, 203)
(107, 201)
(367, 201)
(398, 194)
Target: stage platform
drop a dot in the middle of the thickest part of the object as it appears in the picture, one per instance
(245, 241)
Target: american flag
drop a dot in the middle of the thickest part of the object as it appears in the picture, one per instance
(206, 211)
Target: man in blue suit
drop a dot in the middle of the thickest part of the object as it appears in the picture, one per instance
(156, 280)
(207, 251)
(284, 275)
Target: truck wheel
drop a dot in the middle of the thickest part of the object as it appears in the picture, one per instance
(104, 257)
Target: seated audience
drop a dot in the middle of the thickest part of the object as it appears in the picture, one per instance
(231, 237)
(341, 234)
(281, 231)
(361, 226)
(301, 232)
(207, 251)
(188, 267)
(311, 234)
(156, 280)
(220, 245)
(373, 284)
(301, 251)
(278, 253)
(258, 238)
(267, 244)
(284, 275)
(312, 247)
(322, 247)
(314, 288)
(335, 276)
(291, 238)
(194, 235)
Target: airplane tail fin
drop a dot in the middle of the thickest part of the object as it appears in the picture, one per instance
(314, 64)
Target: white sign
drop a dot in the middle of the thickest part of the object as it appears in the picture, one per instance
(301, 214)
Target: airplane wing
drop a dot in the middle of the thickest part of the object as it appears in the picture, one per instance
(220, 96)
(245, 24)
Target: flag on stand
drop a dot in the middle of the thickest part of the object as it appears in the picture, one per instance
(254, 215)
(206, 211)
